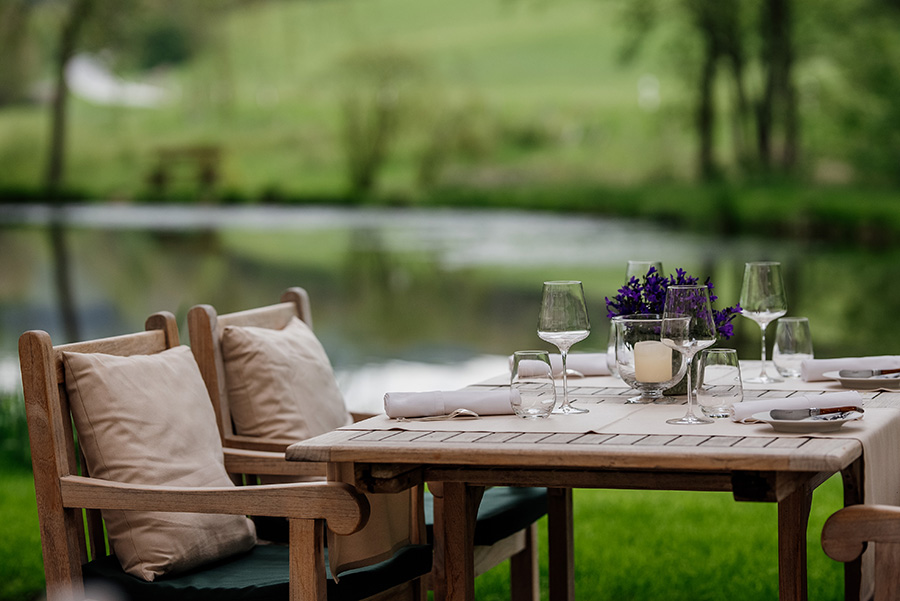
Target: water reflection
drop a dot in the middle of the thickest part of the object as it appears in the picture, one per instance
(429, 299)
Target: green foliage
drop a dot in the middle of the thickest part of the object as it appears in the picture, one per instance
(696, 546)
(21, 567)
(14, 449)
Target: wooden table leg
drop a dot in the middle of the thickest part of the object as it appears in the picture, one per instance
(852, 478)
(561, 544)
(455, 513)
(793, 522)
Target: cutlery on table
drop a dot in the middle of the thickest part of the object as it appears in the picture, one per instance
(867, 373)
(814, 412)
(457, 414)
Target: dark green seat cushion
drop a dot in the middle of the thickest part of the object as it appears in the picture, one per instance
(262, 573)
(503, 512)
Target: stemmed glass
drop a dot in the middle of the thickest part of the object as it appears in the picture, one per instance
(688, 327)
(763, 300)
(563, 322)
(635, 269)
(638, 269)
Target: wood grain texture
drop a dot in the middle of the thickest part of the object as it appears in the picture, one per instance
(62, 494)
(779, 469)
(341, 505)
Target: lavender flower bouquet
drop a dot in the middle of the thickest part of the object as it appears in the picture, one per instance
(648, 295)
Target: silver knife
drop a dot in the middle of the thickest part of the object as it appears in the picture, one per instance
(804, 413)
(865, 373)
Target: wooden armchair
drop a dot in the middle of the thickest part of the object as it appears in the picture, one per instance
(848, 532)
(506, 527)
(73, 537)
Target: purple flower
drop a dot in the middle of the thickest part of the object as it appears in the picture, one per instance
(649, 296)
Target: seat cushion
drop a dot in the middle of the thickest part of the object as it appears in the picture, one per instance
(281, 383)
(503, 512)
(261, 573)
(147, 419)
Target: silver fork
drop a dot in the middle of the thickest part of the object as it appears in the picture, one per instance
(457, 414)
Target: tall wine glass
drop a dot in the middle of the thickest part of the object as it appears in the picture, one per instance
(763, 301)
(638, 269)
(635, 269)
(688, 327)
(563, 322)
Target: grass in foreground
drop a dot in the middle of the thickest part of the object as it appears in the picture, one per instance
(21, 567)
(628, 545)
(681, 546)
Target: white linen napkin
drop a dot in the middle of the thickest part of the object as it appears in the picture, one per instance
(743, 412)
(813, 370)
(587, 364)
(437, 402)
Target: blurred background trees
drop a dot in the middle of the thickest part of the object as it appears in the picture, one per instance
(355, 99)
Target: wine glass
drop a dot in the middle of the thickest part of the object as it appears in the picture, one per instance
(638, 269)
(635, 269)
(763, 301)
(563, 322)
(688, 327)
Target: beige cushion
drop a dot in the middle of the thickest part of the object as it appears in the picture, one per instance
(147, 419)
(280, 382)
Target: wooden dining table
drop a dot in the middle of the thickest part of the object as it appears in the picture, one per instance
(632, 449)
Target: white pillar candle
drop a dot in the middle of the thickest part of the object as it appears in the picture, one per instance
(652, 361)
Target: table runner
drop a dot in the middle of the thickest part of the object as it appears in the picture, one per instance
(878, 433)
(747, 368)
(604, 396)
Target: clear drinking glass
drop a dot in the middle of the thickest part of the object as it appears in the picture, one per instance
(563, 321)
(645, 363)
(718, 381)
(793, 345)
(688, 336)
(638, 269)
(635, 269)
(611, 350)
(532, 379)
(763, 300)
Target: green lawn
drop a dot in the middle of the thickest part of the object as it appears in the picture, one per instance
(21, 567)
(628, 545)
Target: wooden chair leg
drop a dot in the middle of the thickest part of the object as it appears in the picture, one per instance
(887, 579)
(524, 576)
(307, 559)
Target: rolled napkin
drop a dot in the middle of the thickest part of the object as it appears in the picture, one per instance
(587, 364)
(743, 412)
(437, 402)
(813, 370)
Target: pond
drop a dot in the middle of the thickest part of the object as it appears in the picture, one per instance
(406, 299)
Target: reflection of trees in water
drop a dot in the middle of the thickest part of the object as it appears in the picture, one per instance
(409, 302)
(383, 302)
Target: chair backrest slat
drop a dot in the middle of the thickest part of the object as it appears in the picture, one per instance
(206, 327)
(64, 540)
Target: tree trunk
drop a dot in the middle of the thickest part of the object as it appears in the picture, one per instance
(78, 14)
(13, 61)
(779, 101)
(705, 113)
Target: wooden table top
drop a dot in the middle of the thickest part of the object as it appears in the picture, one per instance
(698, 450)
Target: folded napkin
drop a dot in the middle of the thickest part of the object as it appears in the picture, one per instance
(813, 370)
(587, 364)
(425, 404)
(744, 411)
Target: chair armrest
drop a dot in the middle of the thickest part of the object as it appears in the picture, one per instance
(847, 530)
(242, 461)
(345, 510)
(255, 443)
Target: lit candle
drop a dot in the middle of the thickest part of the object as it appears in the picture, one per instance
(652, 361)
